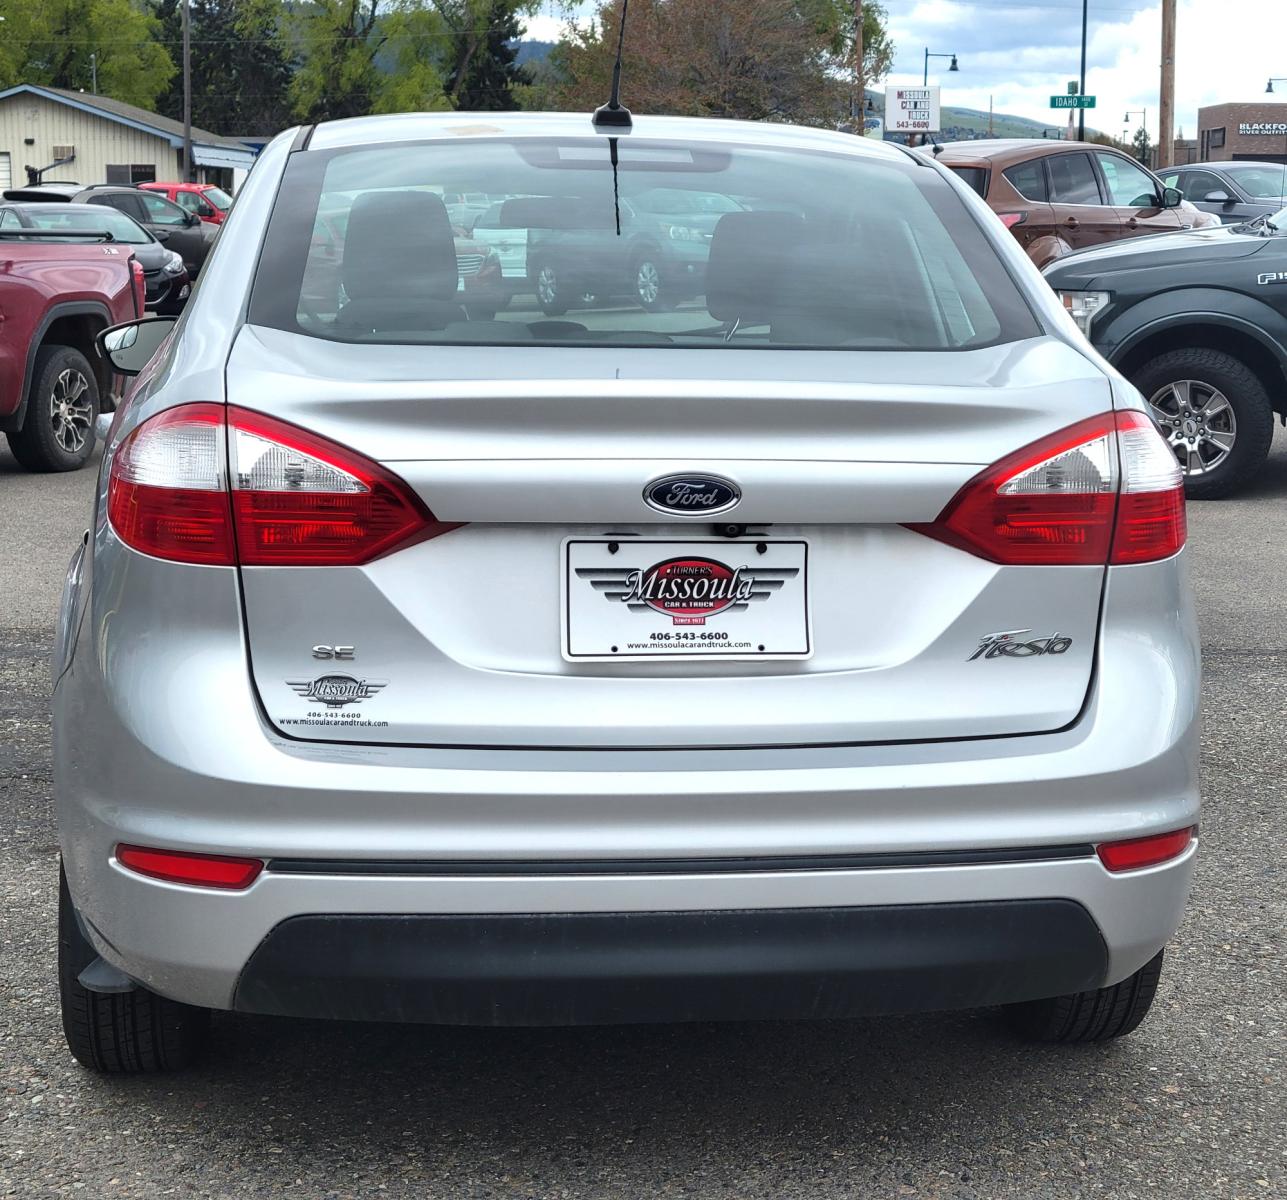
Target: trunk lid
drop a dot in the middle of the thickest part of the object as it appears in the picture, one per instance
(499, 632)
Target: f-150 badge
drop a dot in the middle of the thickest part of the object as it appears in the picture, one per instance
(1267, 277)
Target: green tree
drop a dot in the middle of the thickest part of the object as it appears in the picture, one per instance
(490, 75)
(1142, 144)
(50, 42)
(240, 72)
(364, 56)
(784, 60)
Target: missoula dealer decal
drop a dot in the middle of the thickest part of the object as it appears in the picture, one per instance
(335, 693)
(688, 590)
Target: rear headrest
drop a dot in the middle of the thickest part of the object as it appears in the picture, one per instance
(751, 256)
(399, 245)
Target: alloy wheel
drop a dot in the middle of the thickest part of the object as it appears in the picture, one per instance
(71, 410)
(648, 282)
(1198, 420)
(547, 285)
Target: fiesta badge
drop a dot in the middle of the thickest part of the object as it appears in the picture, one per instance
(691, 495)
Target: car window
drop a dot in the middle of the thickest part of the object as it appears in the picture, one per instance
(1028, 179)
(976, 177)
(218, 197)
(1072, 179)
(1172, 180)
(1261, 181)
(128, 204)
(819, 250)
(89, 219)
(161, 211)
(1129, 186)
(1197, 185)
(189, 200)
(9, 219)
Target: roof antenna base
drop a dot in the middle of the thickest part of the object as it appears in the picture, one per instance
(613, 115)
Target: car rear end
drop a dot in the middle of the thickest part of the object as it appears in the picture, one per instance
(812, 649)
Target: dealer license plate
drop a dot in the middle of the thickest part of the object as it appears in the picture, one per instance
(640, 598)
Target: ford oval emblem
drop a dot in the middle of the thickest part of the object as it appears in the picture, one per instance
(691, 495)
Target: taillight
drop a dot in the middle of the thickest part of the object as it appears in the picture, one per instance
(139, 282)
(286, 497)
(167, 494)
(198, 870)
(1010, 220)
(1134, 854)
(1106, 490)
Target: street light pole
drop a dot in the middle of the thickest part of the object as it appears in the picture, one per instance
(1081, 112)
(928, 56)
(187, 97)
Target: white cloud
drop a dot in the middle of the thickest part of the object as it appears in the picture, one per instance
(1021, 55)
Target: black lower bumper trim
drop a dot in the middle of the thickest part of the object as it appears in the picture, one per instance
(613, 968)
(873, 861)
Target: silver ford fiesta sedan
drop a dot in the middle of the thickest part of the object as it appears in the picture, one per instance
(765, 604)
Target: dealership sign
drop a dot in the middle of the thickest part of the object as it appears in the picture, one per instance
(913, 110)
(1248, 129)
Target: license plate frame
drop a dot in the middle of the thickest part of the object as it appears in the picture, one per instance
(751, 593)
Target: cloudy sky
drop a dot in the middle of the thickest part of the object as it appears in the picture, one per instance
(1020, 53)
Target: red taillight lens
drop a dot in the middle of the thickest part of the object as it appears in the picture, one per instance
(206, 484)
(199, 870)
(1137, 853)
(167, 494)
(1057, 502)
(139, 281)
(1010, 220)
(300, 500)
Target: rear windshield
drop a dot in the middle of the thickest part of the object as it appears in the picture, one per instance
(671, 244)
(86, 218)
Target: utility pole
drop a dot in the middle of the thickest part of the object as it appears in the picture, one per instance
(1166, 108)
(187, 97)
(93, 72)
(1081, 112)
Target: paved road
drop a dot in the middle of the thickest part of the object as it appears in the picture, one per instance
(1193, 1106)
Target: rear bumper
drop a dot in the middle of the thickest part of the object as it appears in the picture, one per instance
(501, 835)
(607, 968)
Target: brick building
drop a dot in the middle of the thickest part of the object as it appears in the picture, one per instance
(1243, 131)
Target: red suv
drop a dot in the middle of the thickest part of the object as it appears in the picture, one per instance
(210, 203)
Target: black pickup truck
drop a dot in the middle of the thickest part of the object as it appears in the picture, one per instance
(1198, 322)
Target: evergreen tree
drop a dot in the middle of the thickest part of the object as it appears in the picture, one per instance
(240, 73)
(492, 72)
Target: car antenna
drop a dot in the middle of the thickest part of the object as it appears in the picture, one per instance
(614, 113)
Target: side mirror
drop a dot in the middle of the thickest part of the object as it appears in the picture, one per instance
(130, 347)
(1172, 197)
(1218, 197)
(190, 218)
(161, 235)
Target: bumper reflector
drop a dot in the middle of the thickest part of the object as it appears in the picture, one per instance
(1137, 853)
(197, 870)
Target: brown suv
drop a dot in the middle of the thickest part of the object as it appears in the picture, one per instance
(1056, 197)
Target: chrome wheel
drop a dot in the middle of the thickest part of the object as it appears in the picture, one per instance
(648, 282)
(547, 285)
(71, 410)
(1197, 419)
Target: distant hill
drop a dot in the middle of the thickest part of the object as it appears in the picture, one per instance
(532, 51)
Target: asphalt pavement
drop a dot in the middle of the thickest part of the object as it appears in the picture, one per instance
(1194, 1105)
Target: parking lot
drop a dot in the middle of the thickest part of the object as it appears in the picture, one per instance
(1193, 1105)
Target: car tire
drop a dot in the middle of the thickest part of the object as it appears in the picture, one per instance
(57, 432)
(1095, 1016)
(650, 290)
(1212, 378)
(551, 293)
(122, 1033)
